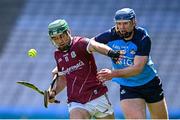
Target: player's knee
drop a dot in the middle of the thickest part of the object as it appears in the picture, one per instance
(79, 114)
(135, 115)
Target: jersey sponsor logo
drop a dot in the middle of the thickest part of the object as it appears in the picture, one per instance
(126, 62)
(119, 47)
(116, 47)
(73, 68)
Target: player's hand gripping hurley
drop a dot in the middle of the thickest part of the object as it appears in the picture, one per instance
(47, 97)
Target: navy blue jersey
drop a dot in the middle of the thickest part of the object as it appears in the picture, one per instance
(139, 45)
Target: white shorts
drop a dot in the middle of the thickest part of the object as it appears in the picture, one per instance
(99, 107)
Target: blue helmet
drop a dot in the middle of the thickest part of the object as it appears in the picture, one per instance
(124, 14)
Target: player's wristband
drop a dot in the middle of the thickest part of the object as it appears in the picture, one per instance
(113, 54)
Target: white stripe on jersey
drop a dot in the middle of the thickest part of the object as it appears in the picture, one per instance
(73, 85)
(85, 80)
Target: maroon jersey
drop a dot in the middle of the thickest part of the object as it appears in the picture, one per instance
(80, 70)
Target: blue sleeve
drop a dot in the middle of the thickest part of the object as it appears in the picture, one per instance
(144, 47)
(103, 37)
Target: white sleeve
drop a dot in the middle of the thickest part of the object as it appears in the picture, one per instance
(89, 42)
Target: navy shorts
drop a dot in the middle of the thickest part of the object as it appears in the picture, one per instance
(151, 92)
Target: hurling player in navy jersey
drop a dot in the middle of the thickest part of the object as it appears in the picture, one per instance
(140, 85)
(77, 71)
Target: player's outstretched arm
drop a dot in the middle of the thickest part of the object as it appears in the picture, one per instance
(94, 46)
(135, 69)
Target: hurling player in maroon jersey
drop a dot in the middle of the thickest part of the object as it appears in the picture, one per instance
(77, 71)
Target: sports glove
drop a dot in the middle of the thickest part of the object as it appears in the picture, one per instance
(115, 56)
